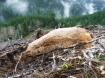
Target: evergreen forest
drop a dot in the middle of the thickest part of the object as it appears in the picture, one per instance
(23, 25)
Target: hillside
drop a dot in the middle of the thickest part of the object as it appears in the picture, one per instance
(22, 26)
(55, 54)
(61, 62)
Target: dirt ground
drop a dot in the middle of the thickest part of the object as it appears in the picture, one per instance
(60, 63)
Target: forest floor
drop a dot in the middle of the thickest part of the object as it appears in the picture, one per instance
(60, 63)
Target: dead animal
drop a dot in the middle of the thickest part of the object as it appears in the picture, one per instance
(62, 37)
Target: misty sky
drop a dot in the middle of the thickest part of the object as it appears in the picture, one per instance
(18, 6)
(89, 6)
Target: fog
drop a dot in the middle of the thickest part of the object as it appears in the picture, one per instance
(86, 6)
(18, 6)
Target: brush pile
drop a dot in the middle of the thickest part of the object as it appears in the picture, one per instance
(58, 63)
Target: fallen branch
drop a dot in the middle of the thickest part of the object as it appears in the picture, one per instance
(21, 48)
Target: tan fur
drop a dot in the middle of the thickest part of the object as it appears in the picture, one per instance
(59, 37)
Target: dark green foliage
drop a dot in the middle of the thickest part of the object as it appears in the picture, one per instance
(85, 20)
(26, 24)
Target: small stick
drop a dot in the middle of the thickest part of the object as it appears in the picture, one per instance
(18, 62)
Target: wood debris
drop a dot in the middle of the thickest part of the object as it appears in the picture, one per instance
(73, 62)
